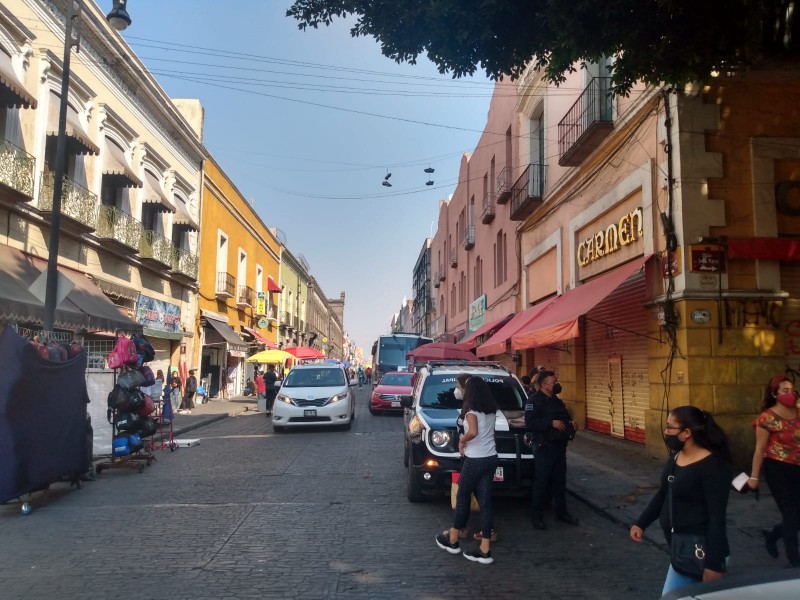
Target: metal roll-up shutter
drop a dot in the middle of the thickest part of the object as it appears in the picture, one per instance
(617, 382)
(790, 316)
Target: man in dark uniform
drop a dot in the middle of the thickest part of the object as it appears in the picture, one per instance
(552, 427)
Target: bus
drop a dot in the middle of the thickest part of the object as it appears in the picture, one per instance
(389, 352)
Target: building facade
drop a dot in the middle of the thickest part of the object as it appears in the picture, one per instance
(297, 291)
(239, 291)
(424, 304)
(129, 216)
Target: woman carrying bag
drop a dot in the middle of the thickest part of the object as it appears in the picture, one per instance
(477, 446)
(693, 498)
(777, 458)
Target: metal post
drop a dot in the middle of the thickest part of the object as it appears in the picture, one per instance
(51, 288)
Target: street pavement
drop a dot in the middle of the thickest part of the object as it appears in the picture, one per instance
(247, 513)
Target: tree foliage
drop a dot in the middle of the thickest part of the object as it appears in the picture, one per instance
(670, 41)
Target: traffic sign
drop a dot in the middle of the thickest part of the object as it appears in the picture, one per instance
(707, 259)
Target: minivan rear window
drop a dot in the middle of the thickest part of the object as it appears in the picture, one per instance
(322, 377)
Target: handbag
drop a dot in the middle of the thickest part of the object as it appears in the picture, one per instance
(687, 553)
(473, 502)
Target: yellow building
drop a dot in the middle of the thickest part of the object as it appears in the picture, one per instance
(239, 283)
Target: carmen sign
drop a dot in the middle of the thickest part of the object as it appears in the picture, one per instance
(608, 241)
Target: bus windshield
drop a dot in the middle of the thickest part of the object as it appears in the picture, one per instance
(392, 349)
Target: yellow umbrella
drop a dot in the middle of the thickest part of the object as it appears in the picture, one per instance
(270, 356)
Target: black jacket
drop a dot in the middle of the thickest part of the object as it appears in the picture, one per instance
(191, 384)
(540, 412)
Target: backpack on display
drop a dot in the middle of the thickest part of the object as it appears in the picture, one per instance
(121, 445)
(129, 422)
(148, 407)
(135, 442)
(125, 400)
(149, 377)
(130, 380)
(144, 348)
(149, 427)
(124, 353)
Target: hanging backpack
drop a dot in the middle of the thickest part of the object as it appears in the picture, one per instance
(124, 353)
(149, 377)
(148, 407)
(149, 427)
(121, 445)
(130, 380)
(144, 348)
(129, 422)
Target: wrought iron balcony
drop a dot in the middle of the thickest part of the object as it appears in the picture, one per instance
(453, 257)
(587, 123)
(437, 280)
(272, 313)
(78, 205)
(186, 264)
(503, 192)
(155, 249)
(118, 229)
(442, 274)
(245, 296)
(432, 304)
(469, 237)
(527, 193)
(16, 171)
(296, 323)
(487, 209)
(287, 319)
(226, 286)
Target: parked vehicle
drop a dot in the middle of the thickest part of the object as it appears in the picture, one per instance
(390, 350)
(386, 395)
(315, 394)
(431, 440)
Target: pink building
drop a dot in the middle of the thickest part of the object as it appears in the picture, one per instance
(474, 259)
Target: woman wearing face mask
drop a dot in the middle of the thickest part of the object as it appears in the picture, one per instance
(698, 466)
(777, 457)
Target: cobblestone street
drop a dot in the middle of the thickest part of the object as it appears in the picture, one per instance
(312, 514)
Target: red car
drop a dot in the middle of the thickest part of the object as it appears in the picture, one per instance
(386, 395)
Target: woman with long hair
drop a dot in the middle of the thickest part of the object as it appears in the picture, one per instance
(698, 473)
(478, 448)
(777, 457)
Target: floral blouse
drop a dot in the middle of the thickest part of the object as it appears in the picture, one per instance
(784, 437)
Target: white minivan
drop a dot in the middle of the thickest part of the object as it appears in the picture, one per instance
(315, 394)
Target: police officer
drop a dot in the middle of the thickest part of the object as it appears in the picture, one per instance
(552, 427)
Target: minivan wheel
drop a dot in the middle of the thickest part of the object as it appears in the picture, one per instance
(413, 491)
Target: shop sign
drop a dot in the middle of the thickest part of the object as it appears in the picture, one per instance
(671, 263)
(477, 313)
(262, 323)
(157, 314)
(707, 259)
(612, 238)
(261, 303)
(700, 316)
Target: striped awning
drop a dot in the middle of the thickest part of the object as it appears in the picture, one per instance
(78, 141)
(153, 194)
(182, 218)
(116, 169)
(12, 93)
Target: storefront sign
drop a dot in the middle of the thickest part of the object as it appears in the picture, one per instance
(261, 303)
(477, 313)
(700, 316)
(262, 323)
(707, 259)
(157, 314)
(612, 238)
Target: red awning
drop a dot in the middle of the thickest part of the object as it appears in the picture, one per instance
(560, 321)
(270, 345)
(272, 286)
(759, 248)
(471, 341)
(497, 343)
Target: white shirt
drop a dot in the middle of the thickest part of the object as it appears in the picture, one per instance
(482, 445)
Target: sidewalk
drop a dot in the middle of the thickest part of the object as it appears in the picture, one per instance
(617, 478)
(211, 411)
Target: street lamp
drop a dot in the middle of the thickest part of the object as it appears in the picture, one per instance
(118, 18)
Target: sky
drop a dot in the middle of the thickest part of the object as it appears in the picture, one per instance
(307, 124)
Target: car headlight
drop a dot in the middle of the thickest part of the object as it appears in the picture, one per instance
(441, 438)
(284, 398)
(338, 397)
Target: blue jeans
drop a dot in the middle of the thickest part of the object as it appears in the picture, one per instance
(476, 478)
(675, 580)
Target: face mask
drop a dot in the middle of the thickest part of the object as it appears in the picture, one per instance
(788, 399)
(458, 394)
(673, 443)
(557, 388)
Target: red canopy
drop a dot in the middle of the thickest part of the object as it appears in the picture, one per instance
(304, 352)
(559, 321)
(759, 248)
(440, 351)
(272, 286)
(472, 339)
(497, 343)
(260, 338)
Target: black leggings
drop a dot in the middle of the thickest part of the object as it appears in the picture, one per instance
(784, 482)
(476, 478)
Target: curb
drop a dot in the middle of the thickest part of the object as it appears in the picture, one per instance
(203, 423)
